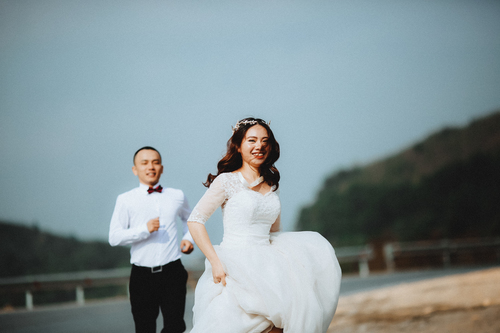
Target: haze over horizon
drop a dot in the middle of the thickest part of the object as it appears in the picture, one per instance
(85, 84)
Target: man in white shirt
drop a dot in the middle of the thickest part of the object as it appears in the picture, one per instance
(145, 218)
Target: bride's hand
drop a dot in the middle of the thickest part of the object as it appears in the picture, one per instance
(218, 274)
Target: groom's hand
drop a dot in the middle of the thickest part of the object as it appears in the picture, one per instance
(186, 246)
(153, 224)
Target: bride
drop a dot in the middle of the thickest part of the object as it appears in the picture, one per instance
(258, 279)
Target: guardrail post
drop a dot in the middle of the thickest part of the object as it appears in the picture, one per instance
(29, 300)
(389, 257)
(80, 295)
(364, 269)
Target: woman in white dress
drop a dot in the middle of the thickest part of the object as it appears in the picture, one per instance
(258, 279)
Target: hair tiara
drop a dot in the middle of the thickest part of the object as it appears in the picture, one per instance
(247, 122)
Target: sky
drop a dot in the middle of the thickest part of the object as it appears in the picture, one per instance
(84, 84)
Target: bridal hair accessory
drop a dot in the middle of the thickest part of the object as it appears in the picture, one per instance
(246, 122)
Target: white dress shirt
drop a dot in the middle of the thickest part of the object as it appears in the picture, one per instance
(132, 212)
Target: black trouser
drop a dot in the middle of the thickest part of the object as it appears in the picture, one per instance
(165, 290)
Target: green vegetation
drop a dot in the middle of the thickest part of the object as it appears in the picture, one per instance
(27, 251)
(447, 186)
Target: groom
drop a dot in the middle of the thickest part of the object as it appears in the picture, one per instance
(145, 218)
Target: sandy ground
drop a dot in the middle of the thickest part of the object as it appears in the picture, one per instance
(459, 303)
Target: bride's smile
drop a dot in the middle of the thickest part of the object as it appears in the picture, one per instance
(254, 146)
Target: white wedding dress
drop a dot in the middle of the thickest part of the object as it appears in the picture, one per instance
(290, 280)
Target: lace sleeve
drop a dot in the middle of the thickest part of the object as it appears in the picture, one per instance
(213, 198)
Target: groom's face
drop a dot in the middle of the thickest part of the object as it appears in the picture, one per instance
(147, 167)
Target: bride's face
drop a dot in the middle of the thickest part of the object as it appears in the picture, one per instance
(254, 147)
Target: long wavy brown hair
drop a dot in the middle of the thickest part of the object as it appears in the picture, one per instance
(232, 160)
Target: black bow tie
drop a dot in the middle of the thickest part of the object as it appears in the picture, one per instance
(158, 189)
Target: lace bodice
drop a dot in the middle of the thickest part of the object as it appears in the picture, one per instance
(247, 215)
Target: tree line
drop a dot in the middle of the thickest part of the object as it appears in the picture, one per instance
(28, 250)
(410, 196)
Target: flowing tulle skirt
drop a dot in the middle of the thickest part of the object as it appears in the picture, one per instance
(293, 283)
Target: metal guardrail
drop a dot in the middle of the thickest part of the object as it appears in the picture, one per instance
(78, 281)
(352, 254)
(64, 281)
(444, 248)
(359, 254)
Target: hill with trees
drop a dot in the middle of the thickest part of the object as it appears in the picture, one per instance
(446, 186)
(27, 250)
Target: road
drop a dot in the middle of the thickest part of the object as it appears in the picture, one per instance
(353, 284)
(115, 317)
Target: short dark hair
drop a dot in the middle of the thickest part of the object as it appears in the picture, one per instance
(145, 148)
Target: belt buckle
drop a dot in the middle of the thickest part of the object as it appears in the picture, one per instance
(156, 269)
